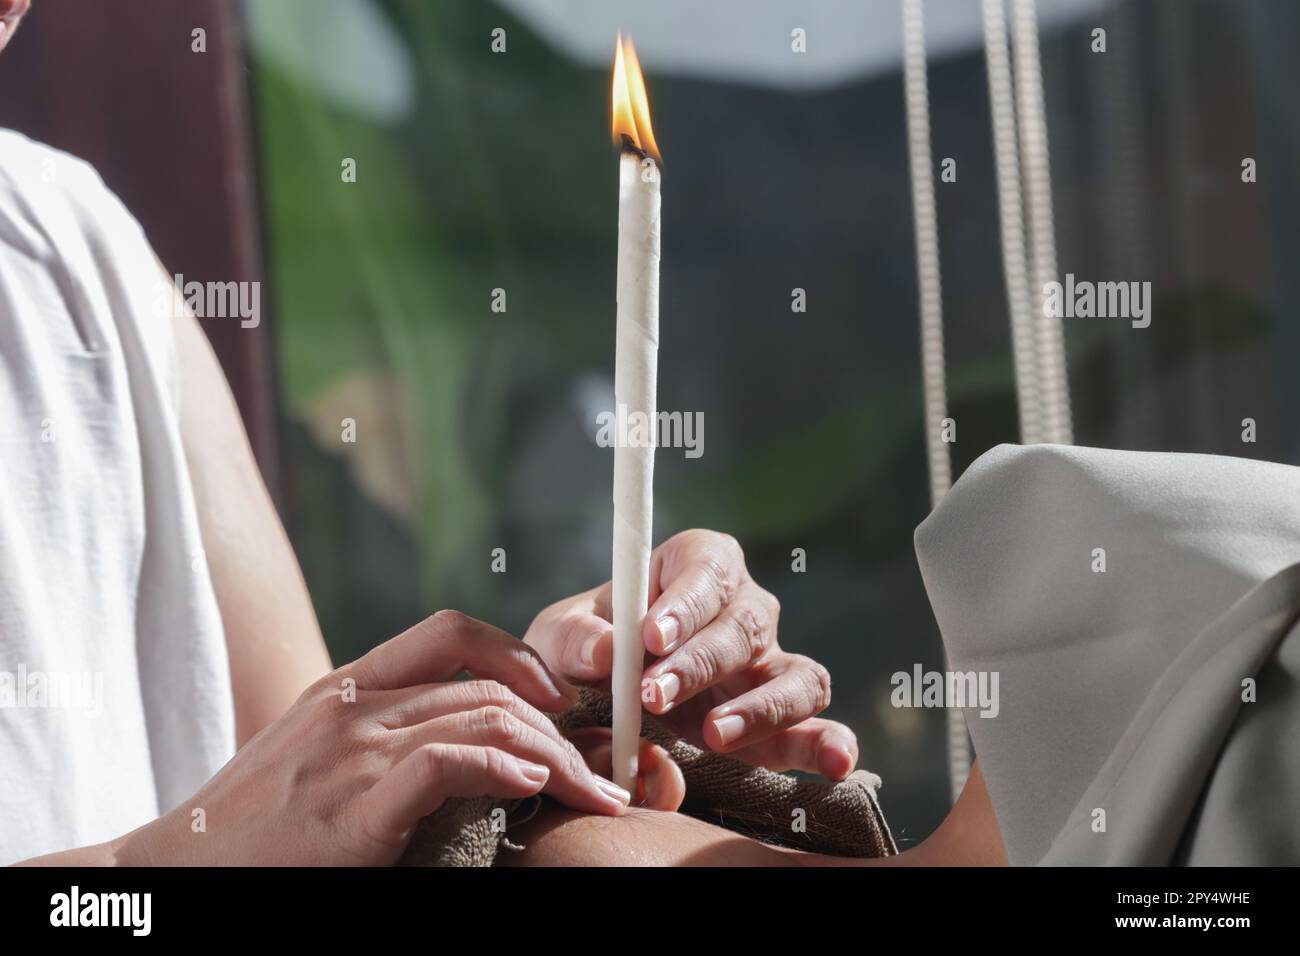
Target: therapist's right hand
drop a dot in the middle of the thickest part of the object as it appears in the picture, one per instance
(365, 752)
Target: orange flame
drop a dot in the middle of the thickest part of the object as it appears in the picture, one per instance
(631, 114)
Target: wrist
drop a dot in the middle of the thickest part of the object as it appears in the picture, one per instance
(154, 844)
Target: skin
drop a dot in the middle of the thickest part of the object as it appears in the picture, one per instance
(319, 780)
(327, 777)
(334, 782)
(969, 836)
(272, 636)
(716, 673)
(371, 748)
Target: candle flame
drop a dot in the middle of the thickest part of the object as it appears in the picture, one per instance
(631, 113)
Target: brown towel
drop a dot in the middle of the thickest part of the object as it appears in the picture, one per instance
(842, 819)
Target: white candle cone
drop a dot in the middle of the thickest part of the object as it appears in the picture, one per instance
(635, 365)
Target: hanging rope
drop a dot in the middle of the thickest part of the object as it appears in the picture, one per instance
(1038, 340)
(1053, 380)
(917, 97)
(917, 101)
(1006, 160)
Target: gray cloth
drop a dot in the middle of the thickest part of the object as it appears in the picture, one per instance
(1121, 691)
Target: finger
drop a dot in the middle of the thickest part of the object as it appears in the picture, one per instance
(741, 635)
(441, 646)
(578, 645)
(602, 602)
(416, 705)
(800, 690)
(569, 635)
(595, 744)
(660, 783)
(423, 780)
(816, 746)
(570, 781)
(698, 572)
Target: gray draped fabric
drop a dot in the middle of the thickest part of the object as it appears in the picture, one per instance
(1121, 691)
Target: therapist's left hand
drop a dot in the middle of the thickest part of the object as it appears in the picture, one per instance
(715, 672)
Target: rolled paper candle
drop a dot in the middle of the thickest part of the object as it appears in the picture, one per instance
(635, 367)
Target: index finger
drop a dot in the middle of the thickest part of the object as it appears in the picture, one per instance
(442, 646)
(699, 572)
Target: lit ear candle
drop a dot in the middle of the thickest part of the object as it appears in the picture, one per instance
(635, 361)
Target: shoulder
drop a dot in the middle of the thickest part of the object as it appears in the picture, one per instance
(57, 219)
(56, 190)
(25, 163)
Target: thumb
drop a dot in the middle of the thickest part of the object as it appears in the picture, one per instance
(578, 644)
(659, 782)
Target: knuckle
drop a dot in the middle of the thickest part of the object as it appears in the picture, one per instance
(729, 546)
(696, 605)
(352, 745)
(718, 575)
(704, 666)
(774, 709)
(435, 761)
(448, 621)
(818, 682)
(329, 685)
(489, 693)
(489, 721)
(708, 538)
(320, 685)
(498, 724)
(690, 538)
(337, 688)
(495, 762)
(331, 704)
(572, 764)
(750, 627)
(772, 604)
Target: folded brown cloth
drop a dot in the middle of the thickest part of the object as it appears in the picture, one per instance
(841, 819)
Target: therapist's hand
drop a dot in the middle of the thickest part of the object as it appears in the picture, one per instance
(347, 773)
(715, 672)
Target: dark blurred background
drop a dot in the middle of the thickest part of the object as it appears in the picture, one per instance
(479, 170)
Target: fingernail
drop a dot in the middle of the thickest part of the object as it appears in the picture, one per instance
(562, 687)
(568, 690)
(729, 728)
(554, 681)
(668, 631)
(535, 773)
(588, 652)
(669, 684)
(845, 760)
(612, 789)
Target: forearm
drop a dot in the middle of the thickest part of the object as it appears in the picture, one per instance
(100, 854)
(157, 843)
(272, 635)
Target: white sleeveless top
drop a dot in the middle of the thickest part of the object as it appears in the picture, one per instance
(115, 700)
